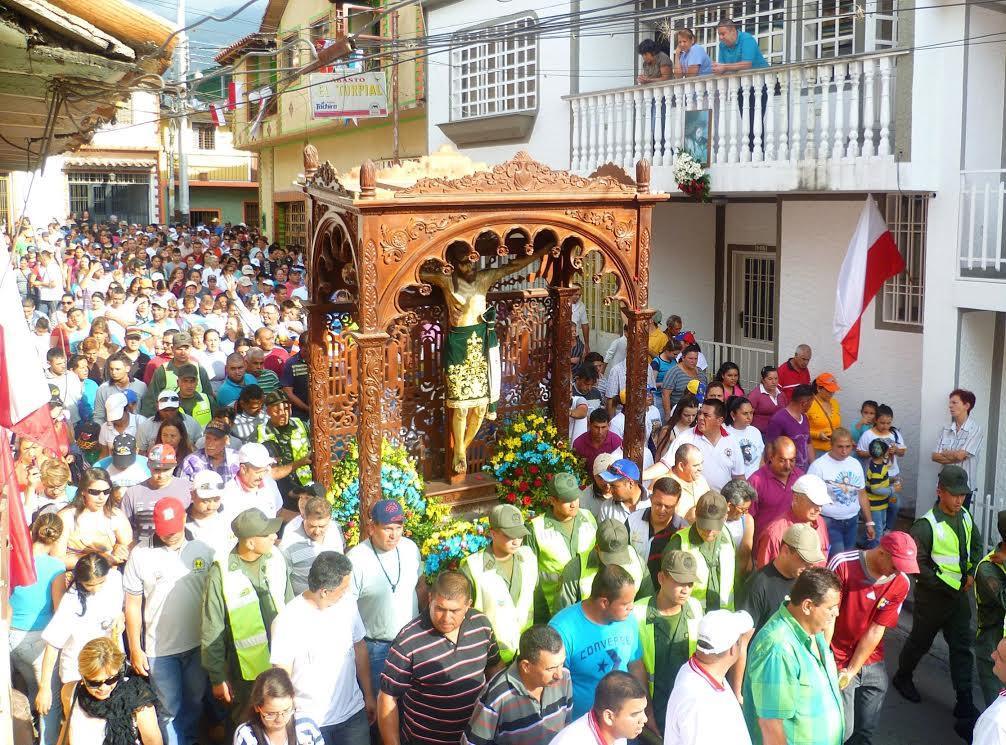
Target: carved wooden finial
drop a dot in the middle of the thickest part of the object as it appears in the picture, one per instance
(311, 160)
(368, 179)
(643, 176)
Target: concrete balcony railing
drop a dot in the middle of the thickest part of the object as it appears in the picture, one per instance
(822, 124)
(982, 248)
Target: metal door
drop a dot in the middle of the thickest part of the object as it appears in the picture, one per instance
(753, 298)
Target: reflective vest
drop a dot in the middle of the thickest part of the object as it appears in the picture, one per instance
(693, 614)
(554, 553)
(947, 549)
(978, 595)
(300, 445)
(727, 558)
(590, 568)
(171, 379)
(251, 641)
(492, 597)
(202, 412)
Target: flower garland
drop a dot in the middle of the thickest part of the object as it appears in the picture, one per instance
(691, 177)
(529, 453)
(447, 547)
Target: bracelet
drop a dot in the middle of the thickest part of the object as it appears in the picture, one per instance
(870, 524)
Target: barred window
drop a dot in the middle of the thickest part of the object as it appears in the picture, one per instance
(494, 70)
(204, 136)
(291, 224)
(605, 318)
(4, 197)
(900, 302)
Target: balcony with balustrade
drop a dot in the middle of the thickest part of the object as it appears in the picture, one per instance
(981, 254)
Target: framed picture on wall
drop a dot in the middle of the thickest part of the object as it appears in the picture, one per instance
(698, 133)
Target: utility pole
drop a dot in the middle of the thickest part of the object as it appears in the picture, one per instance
(184, 133)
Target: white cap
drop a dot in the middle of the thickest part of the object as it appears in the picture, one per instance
(208, 484)
(721, 629)
(814, 488)
(156, 276)
(115, 406)
(255, 454)
(168, 399)
(603, 461)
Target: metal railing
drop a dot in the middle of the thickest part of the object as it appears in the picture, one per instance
(750, 360)
(985, 511)
(981, 247)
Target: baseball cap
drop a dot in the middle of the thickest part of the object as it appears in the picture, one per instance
(507, 519)
(711, 511)
(903, 551)
(162, 456)
(565, 487)
(123, 451)
(146, 282)
(192, 283)
(814, 488)
(387, 511)
(803, 539)
(252, 523)
(156, 276)
(169, 517)
(255, 454)
(207, 484)
(623, 468)
(134, 332)
(613, 542)
(248, 271)
(245, 282)
(658, 316)
(55, 399)
(878, 448)
(115, 406)
(167, 399)
(827, 381)
(87, 434)
(182, 340)
(721, 629)
(275, 397)
(680, 566)
(953, 479)
(188, 371)
(216, 430)
(159, 302)
(603, 462)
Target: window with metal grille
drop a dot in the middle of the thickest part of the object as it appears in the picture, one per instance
(289, 58)
(291, 224)
(204, 136)
(4, 199)
(900, 302)
(494, 70)
(604, 318)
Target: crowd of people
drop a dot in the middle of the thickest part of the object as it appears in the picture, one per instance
(192, 586)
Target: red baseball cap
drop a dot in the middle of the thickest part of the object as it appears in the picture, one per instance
(903, 551)
(162, 456)
(169, 517)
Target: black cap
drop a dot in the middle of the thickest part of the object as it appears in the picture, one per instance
(123, 451)
(275, 397)
(86, 434)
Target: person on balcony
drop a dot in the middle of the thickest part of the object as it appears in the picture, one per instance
(656, 64)
(689, 58)
(738, 50)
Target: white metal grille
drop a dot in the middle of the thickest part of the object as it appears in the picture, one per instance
(901, 298)
(204, 136)
(117, 177)
(604, 318)
(494, 70)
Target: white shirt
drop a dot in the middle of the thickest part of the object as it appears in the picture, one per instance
(579, 732)
(214, 363)
(301, 551)
(214, 531)
(701, 710)
(614, 380)
(385, 611)
(578, 313)
(51, 273)
(968, 438)
(616, 351)
(991, 726)
(317, 646)
(752, 445)
(171, 582)
(721, 462)
(612, 510)
(845, 480)
(108, 432)
(650, 419)
(236, 499)
(892, 438)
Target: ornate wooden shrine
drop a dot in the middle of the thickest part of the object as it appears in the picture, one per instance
(376, 329)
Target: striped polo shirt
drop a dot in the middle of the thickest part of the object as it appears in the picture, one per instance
(437, 682)
(506, 714)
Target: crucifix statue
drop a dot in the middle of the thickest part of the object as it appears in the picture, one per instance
(471, 354)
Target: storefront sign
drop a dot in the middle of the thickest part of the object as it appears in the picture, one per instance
(337, 95)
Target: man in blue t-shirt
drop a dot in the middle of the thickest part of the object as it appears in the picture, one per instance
(599, 636)
(738, 49)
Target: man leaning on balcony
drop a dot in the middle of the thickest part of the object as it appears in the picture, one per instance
(738, 49)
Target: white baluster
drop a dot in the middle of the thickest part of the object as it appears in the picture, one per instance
(999, 225)
(796, 106)
(598, 127)
(971, 226)
(770, 114)
(722, 115)
(810, 114)
(675, 109)
(824, 78)
(575, 156)
(869, 71)
(761, 97)
(987, 256)
(618, 129)
(627, 125)
(609, 128)
(838, 146)
(732, 109)
(783, 106)
(637, 140)
(855, 73)
(648, 104)
(659, 113)
(885, 106)
(746, 106)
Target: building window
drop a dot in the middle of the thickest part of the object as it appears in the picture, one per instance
(291, 224)
(124, 113)
(289, 58)
(495, 70)
(204, 136)
(605, 318)
(4, 200)
(899, 305)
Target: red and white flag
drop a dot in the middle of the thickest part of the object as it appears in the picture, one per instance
(871, 260)
(235, 92)
(21, 569)
(217, 112)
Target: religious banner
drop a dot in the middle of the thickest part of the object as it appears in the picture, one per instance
(341, 96)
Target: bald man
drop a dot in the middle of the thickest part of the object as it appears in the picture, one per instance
(266, 379)
(236, 377)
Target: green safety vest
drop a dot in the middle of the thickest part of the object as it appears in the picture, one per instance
(727, 560)
(554, 553)
(492, 597)
(202, 412)
(694, 612)
(300, 445)
(947, 549)
(251, 641)
(978, 597)
(588, 570)
(171, 379)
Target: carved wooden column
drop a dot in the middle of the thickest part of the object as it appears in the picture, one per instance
(319, 364)
(562, 325)
(636, 359)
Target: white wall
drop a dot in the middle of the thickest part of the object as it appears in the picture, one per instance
(606, 61)
(986, 87)
(975, 361)
(815, 236)
(141, 133)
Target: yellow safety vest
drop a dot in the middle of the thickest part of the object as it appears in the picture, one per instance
(947, 549)
(978, 596)
(202, 412)
(492, 597)
(300, 445)
(590, 568)
(727, 560)
(693, 613)
(251, 641)
(554, 553)
(171, 379)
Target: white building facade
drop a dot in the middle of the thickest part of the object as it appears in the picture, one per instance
(881, 99)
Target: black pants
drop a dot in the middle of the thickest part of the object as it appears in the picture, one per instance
(950, 612)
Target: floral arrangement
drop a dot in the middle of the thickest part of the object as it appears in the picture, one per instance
(400, 480)
(448, 546)
(691, 177)
(529, 453)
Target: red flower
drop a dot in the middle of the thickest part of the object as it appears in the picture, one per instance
(526, 501)
(549, 476)
(519, 472)
(522, 486)
(511, 497)
(533, 469)
(538, 482)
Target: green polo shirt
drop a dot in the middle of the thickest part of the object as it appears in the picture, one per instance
(792, 676)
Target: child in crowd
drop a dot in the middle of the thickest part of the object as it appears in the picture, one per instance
(867, 415)
(879, 488)
(883, 429)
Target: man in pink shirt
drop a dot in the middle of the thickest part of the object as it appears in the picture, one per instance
(774, 483)
(597, 439)
(810, 494)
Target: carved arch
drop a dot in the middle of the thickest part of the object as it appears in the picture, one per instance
(333, 248)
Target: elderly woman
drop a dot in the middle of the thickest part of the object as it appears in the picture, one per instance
(767, 398)
(824, 414)
(740, 495)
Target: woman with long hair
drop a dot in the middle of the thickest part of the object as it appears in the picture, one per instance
(103, 335)
(93, 524)
(729, 375)
(749, 439)
(271, 719)
(109, 706)
(767, 398)
(682, 418)
(176, 282)
(174, 434)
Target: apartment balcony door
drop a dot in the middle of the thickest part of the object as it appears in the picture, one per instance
(752, 319)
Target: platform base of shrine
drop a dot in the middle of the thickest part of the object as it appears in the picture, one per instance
(472, 496)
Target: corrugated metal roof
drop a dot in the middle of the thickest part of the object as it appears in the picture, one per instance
(102, 162)
(251, 41)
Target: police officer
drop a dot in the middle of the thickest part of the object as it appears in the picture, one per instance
(949, 551)
(191, 400)
(288, 440)
(990, 594)
(713, 550)
(504, 576)
(612, 547)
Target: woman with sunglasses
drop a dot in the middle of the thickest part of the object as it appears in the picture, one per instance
(90, 609)
(271, 719)
(110, 706)
(93, 524)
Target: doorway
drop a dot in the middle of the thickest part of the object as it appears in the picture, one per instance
(752, 319)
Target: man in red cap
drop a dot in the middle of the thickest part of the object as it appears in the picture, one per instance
(874, 586)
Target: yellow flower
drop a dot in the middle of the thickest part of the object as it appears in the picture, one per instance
(508, 457)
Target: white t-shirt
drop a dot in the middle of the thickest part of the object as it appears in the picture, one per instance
(578, 313)
(82, 727)
(579, 732)
(721, 462)
(385, 610)
(700, 710)
(317, 646)
(171, 582)
(214, 531)
(616, 352)
(752, 445)
(991, 726)
(892, 438)
(138, 504)
(301, 551)
(108, 432)
(236, 499)
(51, 273)
(576, 426)
(214, 363)
(612, 510)
(650, 419)
(845, 480)
(69, 631)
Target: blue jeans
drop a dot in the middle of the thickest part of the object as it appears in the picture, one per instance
(863, 699)
(378, 653)
(879, 517)
(26, 648)
(841, 534)
(179, 682)
(353, 731)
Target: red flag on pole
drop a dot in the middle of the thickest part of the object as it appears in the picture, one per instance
(22, 561)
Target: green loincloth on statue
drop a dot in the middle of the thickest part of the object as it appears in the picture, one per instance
(472, 364)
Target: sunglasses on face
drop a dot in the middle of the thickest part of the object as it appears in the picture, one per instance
(106, 682)
(98, 492)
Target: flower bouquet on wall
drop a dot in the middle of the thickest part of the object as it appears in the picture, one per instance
(528, 453)
(448, 546)
(691, 177)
